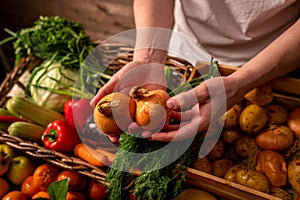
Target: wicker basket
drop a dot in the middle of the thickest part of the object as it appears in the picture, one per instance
(115, 56)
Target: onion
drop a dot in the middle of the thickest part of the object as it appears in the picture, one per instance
(151, 112)
(294, 122)
(273, 166)
(113, 113)
(277, 139)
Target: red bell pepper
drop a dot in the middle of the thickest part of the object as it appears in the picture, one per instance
(59, 135)
(8, 118)
(77, 111)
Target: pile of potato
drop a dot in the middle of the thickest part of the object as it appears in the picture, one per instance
(259, 146)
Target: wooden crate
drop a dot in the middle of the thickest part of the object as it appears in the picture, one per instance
(286, 93)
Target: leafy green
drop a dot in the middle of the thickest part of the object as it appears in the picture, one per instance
(155, 182)
(52, 35)
(48, 77)
(58, 190)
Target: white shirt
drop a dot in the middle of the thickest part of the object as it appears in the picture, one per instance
(231, 31)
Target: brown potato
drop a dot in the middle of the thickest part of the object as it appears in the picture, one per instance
(280, 193)
(221, 166)
(294, 175)
(231, 117)
(261, 95)
(277, 114)
(253, 119)
(253, 179)
(217, 151)
(231, 172)
(203, 164)
(231, 136)
(246, 146)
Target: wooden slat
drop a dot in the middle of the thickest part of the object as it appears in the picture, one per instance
(224, 188)
(282, 84)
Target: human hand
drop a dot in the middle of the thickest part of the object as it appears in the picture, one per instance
(135, 73)
(196, 109)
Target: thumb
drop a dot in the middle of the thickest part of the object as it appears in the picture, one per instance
(183, 100)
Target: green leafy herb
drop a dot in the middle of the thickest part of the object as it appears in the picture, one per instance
(155, 182)
(52, 35)
(58, 189)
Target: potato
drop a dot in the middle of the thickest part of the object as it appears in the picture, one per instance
(221, 166)
(261, 95)
(217, 151)
(253, 119)
(231, 136)
(253, 179)
(246, 146)
(231, 117)
(231, 172)
(194, 194)
(280, 193)
(203, 164)
(294, 175)
(277, 114)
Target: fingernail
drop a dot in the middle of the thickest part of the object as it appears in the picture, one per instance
(171, 103)
(92, 103)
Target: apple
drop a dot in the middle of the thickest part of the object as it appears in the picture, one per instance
(6, 154)
(20, 168)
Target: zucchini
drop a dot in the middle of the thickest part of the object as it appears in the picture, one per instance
(31, 111)
(4, 112)
(26, 131)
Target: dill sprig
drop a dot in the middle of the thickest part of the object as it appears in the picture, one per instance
(154, 182)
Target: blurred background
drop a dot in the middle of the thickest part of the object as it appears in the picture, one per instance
(100, 18)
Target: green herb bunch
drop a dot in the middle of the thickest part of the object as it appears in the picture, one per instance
(52, 35)
(155, 182)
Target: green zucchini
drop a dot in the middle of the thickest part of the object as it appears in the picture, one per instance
(32, 112)
(26, 131)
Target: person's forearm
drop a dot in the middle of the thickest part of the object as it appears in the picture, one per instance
(279, 58)
(153, 21)
(153, 13)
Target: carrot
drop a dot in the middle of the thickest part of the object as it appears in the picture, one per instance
(109, 155)
(89, 155)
